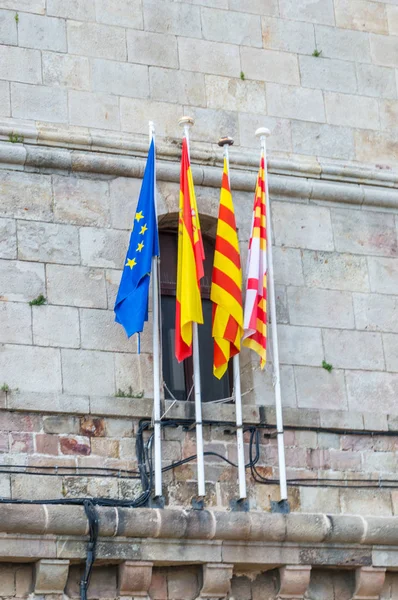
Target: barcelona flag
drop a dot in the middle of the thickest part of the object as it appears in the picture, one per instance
(131, 307)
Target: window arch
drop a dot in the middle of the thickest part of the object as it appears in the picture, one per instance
(179, 376)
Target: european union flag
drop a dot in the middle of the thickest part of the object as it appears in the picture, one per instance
(131, 307)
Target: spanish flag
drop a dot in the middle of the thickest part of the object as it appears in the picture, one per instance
(190, 262)
(226, 284)
(255, 316)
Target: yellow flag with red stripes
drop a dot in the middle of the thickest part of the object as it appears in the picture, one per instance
(226, 284)
(255, 316)
(189, 263)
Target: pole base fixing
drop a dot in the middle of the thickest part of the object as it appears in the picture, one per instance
(239, 505)
(198, 503)
(282, 506)
(156, 502)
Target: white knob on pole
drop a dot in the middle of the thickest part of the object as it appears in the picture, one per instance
(262, 131)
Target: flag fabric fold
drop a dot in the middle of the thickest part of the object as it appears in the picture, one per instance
(131, 307)
(226, 285)
(189, 262)
(255, 314)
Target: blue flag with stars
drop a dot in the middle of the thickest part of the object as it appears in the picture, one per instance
(131, 307)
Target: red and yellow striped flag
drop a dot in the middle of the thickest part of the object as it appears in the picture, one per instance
(255, 317)
(190, 262)
(226, 284)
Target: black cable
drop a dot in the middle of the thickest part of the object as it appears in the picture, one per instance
(92, 518)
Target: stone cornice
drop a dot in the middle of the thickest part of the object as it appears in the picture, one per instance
(51, 147)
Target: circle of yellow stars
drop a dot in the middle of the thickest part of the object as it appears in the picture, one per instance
(131, 262)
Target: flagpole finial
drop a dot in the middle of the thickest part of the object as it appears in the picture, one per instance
(186, 122)
(225, 141)
(262, 131)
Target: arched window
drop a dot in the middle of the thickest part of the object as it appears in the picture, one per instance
(179, 376)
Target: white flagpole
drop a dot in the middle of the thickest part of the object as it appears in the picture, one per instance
(156, 351)
(225, 142)
(262, 133)
(187, 122)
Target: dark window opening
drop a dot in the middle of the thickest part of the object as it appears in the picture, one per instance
(179, 376)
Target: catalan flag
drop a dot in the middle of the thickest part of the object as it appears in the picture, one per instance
(189, 263)
(255, 315)
(226, 284)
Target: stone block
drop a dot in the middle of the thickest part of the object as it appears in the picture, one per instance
(390, 344)
(8, 28)
(328, 440)
(216, 580)
(100, 332)
(335, 271)
(20, 64)
(134, 116)
(169, 84)
(135, 578)
(47, 242)
(56, 326)
(344, 44)
(233, 27)
(295, 103)
(152, 49)
(288, 36)
(81, 201)
(258, 7)
(377, 147)
(61, 424)
(328, 74)
(364, 232)
(112, 280)
(235, 94)
(172, 18)
(368, 583)
(392, 17)
(376, 81)
(379, 462)
(26, 195)
(383, 275)
(34, 6)
(313, 228)
(366, 502)
(88, 372)
(63, 70)
(294, 581)
(368, 389)
(103, 247)
(21, 443)
(8, 239)
(79, 10)
(94, 110)
(125, 13)
(46, 444)
(31, 369)
(270, 65)
(322, 140)
(288, 267)
(48, 402)
(320, 308)
(361, 15)
(15, 323)
(384, 50)
(7, 580)
(105, 447)
(307, 10)
(122, 79)
(36, 487)
(300, 345)
(39, 103)
(209, 57)
(124, 194)
(354, 350)
(279, 140)
(51, 576)
(76, 286)
(135, 370)
(352, 111)
(388, 113)
(43, 33)
(375, 312)
(315, 388)
(21, 281)
(94, 39)
(211, 125)
(5, 106)
(183, 583)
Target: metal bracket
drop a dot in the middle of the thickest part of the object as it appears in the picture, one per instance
(156, 502)
(239, 505)
(198, 503)
(282, 506)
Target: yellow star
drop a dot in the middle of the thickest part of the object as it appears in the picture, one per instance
(139, 216)
(140, 247)
(130, 263)
(144, 228)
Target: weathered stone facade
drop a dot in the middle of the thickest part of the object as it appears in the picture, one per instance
(79, 80)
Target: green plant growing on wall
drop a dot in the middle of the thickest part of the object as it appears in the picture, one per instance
(327, 366)
(39, 301)
(317, 52)
(14, 138)
(16, 17)
(242, 75)
(5, 388)
(129, 394)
